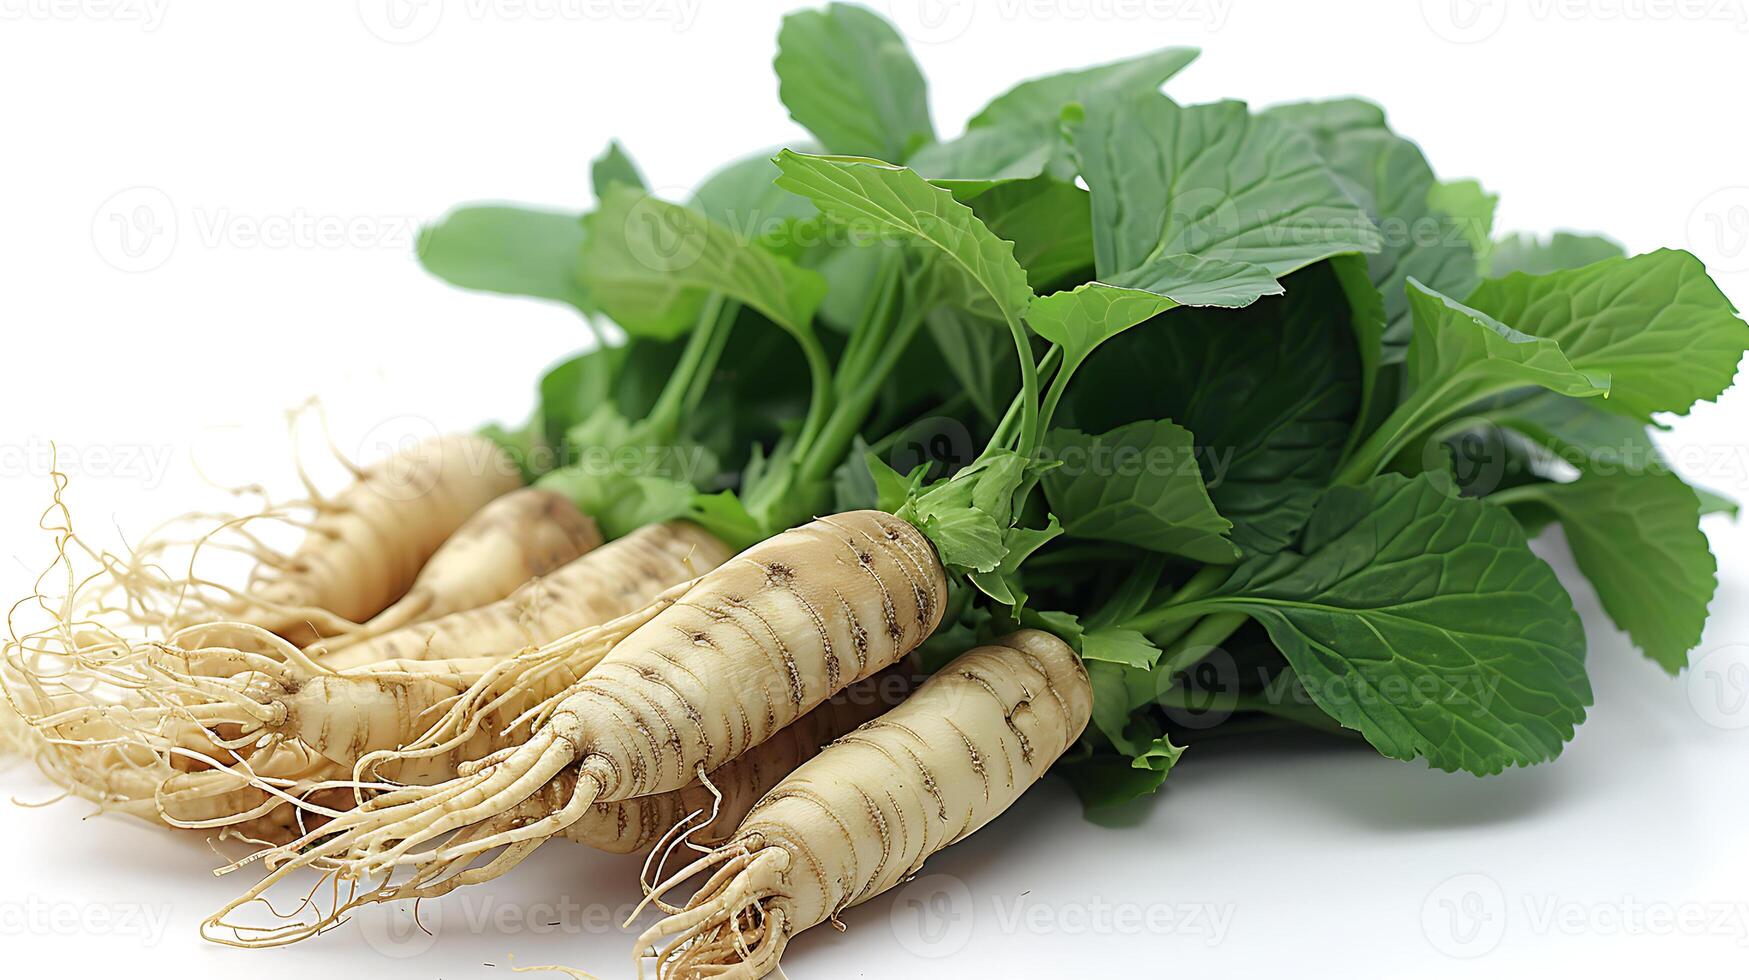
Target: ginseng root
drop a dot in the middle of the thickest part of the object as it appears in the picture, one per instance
(864, 814)
(742, 653)
(520, 536)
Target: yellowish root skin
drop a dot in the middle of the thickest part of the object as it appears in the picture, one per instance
(864, 814)
(736, 657)
(514, 539)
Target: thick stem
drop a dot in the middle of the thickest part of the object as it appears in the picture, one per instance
(1202, 639)
(664, 418)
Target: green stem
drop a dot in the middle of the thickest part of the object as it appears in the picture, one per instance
(1202, 639)
(820, 397)
(1054, 394)
(1522, 494)
(1412, 420)
(848, 417)
(664, 419)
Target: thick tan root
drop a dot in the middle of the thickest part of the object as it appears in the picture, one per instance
(864, 814)
(607, 582)
(520, 536)
(742, 653)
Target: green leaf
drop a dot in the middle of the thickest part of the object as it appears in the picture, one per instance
(574, 388)
(1655, 323)
(1003, 583)
(1271, 392)
(1563, 250)
(846, 76)
(621, 504)
(1716, 503)
(1041, 100)
(1637, 538)
(1472, 207)
(651, 265)
(1139, 484)
(744, 198)
(1424, 622)
(505, 249)
(613, 167)
(979, 352)
(1049, 222)
(1115, 645)
(1460, 355)
(893, 200)
(1083, 318)
(986, 159)
(1212, 181)
(723, 515)
(968, 517)
(1391, 178)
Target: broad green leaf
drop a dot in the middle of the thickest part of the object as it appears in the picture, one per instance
(1271, 392)
(1116, 645)
(651, 264)
(846, 76)
(1019, 136)
(1212, 181)
(1469, 204)
(983, 159)
(1579, 433)
(506, 249)
(882, 199)
(1050, 223)
(1041, 100)
(1460, 355)
(1081, 319)
(1139, 484)
(1424, 622)
(612, 167)
(1563, 250)
(744, 198)
(1637, 538)
(1655, 323)
(1391, 178)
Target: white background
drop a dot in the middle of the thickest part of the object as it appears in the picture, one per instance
(285, 152)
